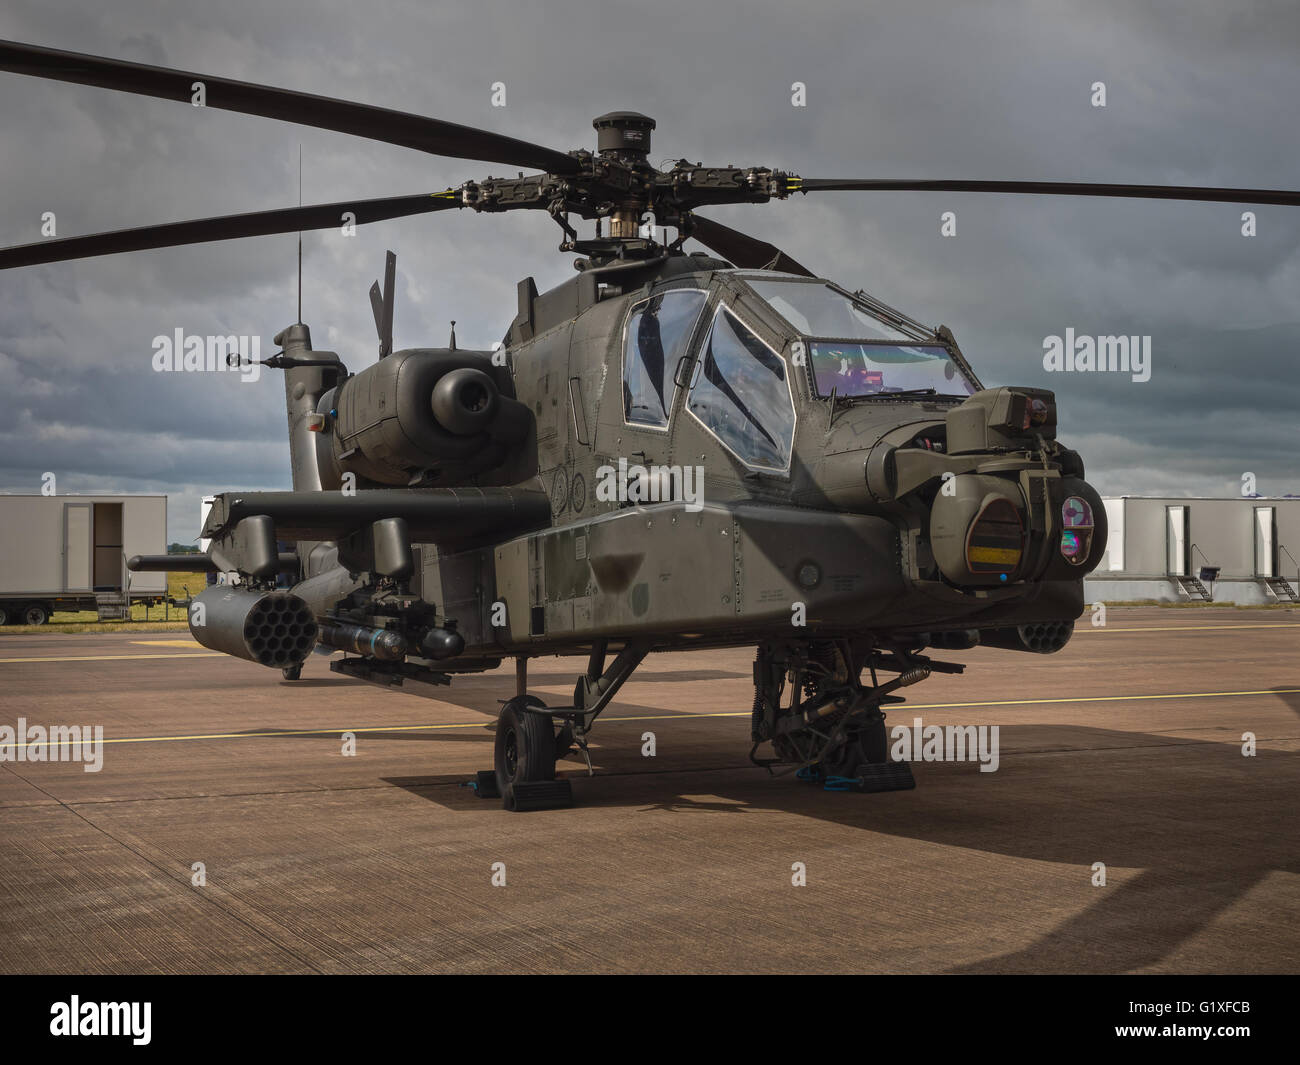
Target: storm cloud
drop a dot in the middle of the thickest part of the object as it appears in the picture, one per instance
(1196, 93)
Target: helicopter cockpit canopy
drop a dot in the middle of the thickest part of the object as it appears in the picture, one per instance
(728, 360)
(851, 352)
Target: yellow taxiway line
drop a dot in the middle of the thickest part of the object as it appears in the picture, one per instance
(686, 716)
(114, 658)
(1190, 628)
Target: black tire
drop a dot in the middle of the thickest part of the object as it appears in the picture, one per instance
(525, 743)
(35, 614)
(291, 672)
(6, 614)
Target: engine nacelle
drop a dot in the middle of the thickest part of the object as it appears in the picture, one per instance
(423, 416)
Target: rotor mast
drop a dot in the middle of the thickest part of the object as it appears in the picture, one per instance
(624, 137)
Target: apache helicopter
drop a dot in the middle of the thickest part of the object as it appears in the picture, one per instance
(670, 451)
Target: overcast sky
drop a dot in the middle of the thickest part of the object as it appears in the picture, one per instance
(1199, 93)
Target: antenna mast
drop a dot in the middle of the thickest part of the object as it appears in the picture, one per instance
(300, 237)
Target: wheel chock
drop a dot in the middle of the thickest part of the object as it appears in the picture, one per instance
(538, 795)
(485, 784)
(872, 777)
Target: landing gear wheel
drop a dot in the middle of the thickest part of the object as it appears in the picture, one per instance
(291, 672)
(6, 614)
(525, 744)
(35, 614)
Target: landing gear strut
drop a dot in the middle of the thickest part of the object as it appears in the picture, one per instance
(527, 742)
(832, 728)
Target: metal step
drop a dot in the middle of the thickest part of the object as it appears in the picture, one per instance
(1282, 588)
(1195, 589)
(112, 606)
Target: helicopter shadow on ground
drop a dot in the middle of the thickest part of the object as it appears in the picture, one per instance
(420, 786)
(1178, 856)
(1197, 870)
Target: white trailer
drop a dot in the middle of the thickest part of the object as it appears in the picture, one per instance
(1239, 549)
(69, 553)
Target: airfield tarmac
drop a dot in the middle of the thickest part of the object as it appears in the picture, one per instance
(1125, 748)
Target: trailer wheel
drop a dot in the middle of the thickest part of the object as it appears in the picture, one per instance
(6, 614)
(525, 743)
(35, 614)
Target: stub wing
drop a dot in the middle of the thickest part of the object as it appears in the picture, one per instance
(432, 515)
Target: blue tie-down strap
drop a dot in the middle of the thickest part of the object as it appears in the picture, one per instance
(812, 774)
(484, 784)
(842, 784)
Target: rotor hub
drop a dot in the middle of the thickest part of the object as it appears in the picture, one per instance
(624, 135)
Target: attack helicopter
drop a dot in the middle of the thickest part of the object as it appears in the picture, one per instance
(674, 449)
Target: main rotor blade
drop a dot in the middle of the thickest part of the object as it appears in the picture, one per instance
(430, 135)
(1056, 188)
(748, 253)
(227, 227)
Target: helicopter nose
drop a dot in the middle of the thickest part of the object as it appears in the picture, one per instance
(990, 529)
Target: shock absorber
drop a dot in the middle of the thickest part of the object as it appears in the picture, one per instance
(756, 729)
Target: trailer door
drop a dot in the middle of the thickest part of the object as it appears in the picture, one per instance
(1176, 538)
(1265, 541)
(109, 563)
(76, 547)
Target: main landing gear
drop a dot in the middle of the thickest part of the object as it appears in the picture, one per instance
(531, 737)
(831, 728)
(823, 723)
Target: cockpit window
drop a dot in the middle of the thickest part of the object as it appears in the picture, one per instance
(817, 310)
(658, 332)
(848, 370)
(741, 395)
